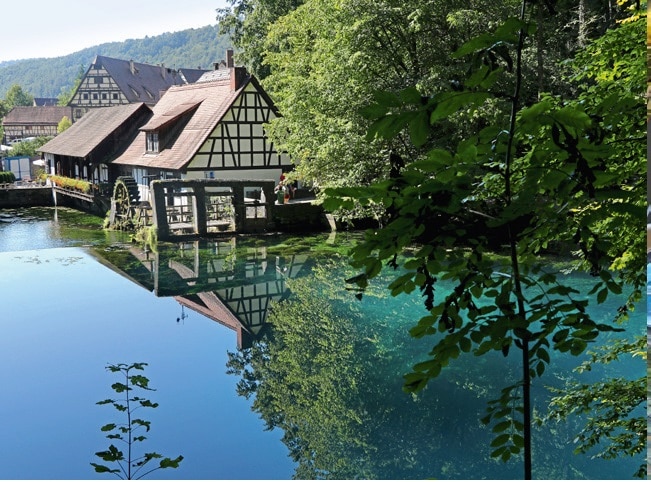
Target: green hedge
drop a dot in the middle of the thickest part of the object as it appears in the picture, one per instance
(7, 177)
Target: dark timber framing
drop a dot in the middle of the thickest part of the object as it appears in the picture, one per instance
(250, 215)
(239, 139)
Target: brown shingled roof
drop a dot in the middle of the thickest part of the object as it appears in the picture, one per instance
(87, 133)
(213, 99)
(41, 115)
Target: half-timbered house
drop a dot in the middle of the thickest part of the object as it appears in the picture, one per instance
(109, 82)
(212, 129)
(85, 149)
(31, 121)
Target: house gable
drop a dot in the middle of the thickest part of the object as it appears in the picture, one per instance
(239, 140)
(97, 89)
(222, 138)
(109, 82)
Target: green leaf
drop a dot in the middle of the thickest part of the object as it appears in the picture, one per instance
(500, 440)
(168, 463)
(374, 111)
(108, 427)
(410, 95)
(577, 347)
(502, 426)
(110, 455)
(104, 469)
(142, 423)
(120, 387)
(518, 440)
(386, 98)
(465, 344)
(414, 382)
(419, 129)
(543, 355)
(450, 102)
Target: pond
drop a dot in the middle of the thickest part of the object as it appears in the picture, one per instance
(76, 299)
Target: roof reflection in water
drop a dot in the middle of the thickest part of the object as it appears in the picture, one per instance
(230, 284)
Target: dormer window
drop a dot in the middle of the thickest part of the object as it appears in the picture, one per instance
(152, 141)
(162, 129)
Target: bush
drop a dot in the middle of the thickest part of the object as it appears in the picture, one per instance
(7, 177)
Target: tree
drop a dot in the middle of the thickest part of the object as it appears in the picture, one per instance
(16, 96)
(550, 177)
(64, 124)
(66, 95)
(324, 69)
(29, 148)
(246, 22)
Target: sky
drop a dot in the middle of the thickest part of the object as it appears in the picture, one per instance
(45, 28)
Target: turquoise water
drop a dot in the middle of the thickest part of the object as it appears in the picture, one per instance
(77, 299)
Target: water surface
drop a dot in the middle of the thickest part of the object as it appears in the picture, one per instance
(77, 298)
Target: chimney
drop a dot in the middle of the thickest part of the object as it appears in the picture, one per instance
(215, 65)
(162, 70)
(238, 76)
(132, 67)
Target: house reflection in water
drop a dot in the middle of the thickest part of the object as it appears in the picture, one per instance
(230, 284)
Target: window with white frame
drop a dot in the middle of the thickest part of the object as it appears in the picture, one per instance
(152, 141)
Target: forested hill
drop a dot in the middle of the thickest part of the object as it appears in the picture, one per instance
(192, 48)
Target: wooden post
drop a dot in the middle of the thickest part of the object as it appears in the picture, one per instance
(159, 210)
(200, 218)
(239, 207)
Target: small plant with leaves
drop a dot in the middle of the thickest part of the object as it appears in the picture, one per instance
(129, 433)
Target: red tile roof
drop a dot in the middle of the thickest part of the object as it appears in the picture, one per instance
(214, 99)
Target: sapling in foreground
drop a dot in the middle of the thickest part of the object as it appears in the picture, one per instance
(129, 433)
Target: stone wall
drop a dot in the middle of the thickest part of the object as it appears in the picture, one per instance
(300, 216)
(15, 197)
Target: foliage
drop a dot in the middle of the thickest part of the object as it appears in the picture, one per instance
(17, 96)
(191, 48)
(329, 378)
(64, 124)
(247, 23)
(614, 407)
(322, 69)
(549, 178)
(130, 466)
(29, 148)
(7, 177)
(328, 375)
(322, 81)
(66, 94)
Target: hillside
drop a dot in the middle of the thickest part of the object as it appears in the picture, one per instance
(192, 48)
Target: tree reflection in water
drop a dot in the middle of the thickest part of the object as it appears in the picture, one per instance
(330, 376)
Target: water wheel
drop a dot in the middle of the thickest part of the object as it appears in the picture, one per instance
(123, 203)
